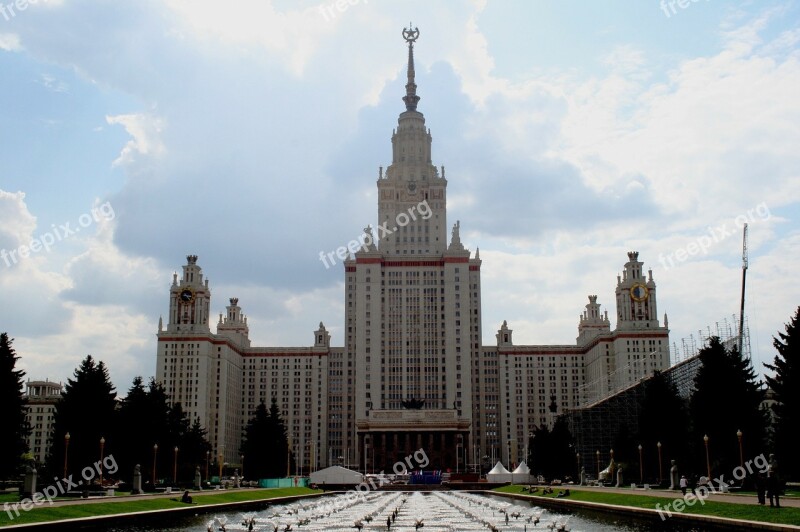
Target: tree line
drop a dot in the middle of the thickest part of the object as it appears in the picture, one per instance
(143, 428)
(723, 423)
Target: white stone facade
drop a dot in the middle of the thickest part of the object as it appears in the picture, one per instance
(42, 397)
(413, 330)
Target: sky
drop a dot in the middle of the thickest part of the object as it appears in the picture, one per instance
(250, 133)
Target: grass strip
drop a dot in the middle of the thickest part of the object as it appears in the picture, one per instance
(92, 509)
(750, 512)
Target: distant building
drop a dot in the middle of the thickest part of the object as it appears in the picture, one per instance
(413, 371)
(42, 397)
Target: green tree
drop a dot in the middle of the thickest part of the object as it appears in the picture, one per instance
(13, 444)
(727, 399)
(786, 386)
(552, 452)
(663, 418)
(265, 443)
(87, 411)
(147, 419)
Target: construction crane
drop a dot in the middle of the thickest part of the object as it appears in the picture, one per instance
(744, 277)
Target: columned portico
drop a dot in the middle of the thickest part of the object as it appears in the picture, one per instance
(387, 437)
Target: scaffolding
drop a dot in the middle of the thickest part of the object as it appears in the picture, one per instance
(726, 331)
(597, 425)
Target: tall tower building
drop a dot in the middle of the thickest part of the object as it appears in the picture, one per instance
(413, 314)
(412, 373)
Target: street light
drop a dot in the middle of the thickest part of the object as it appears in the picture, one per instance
(155, 452)
(578, 462)
(741, 453)
(66, 453)
(660, 470)
(242, 466)
(598, 465)
(708, 458)
(175, 467)
(220, 469)
(208, 459)
(102, 445)
(641, 466)
(611, 465)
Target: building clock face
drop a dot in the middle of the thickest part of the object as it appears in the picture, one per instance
(186, 295)
(639, 292)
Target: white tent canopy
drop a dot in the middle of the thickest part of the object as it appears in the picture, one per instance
(498, 474)
(335, 475)
(522, 474)
(522, 469)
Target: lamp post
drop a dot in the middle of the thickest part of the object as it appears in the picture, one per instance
(598, 465)
(220, 468)
(641, 466)
(660, 469)
(288, 458)
(175, 467)
(741, 453)
(611, 465)
(102, 445)
(708, 458)
(155, 453)
(242, 466)
(208, 459)
(578, 463)
(66, 453)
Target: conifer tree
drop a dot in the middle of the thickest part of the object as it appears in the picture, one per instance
(87, 411)
(664, 419)
(786, 386)
(266, 443)
(13, 443)
(727, 399)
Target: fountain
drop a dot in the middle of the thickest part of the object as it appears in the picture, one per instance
(439, 511)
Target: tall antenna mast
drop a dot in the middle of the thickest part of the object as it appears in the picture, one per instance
(744, 277)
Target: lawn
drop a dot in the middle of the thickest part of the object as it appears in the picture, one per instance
(53, 513)
(750, 512)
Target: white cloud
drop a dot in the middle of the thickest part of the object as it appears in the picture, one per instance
(146, 132)
(10, 42)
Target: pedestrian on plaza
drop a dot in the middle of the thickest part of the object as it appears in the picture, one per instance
(773, 483)
(761, 488)
(684, 484)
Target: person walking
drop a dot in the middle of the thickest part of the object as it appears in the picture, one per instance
(773, 483)
(761, 488)
(684, 484)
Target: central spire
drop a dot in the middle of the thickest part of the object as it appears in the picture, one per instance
(411, 98)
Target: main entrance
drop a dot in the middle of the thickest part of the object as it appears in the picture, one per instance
(388, 437)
